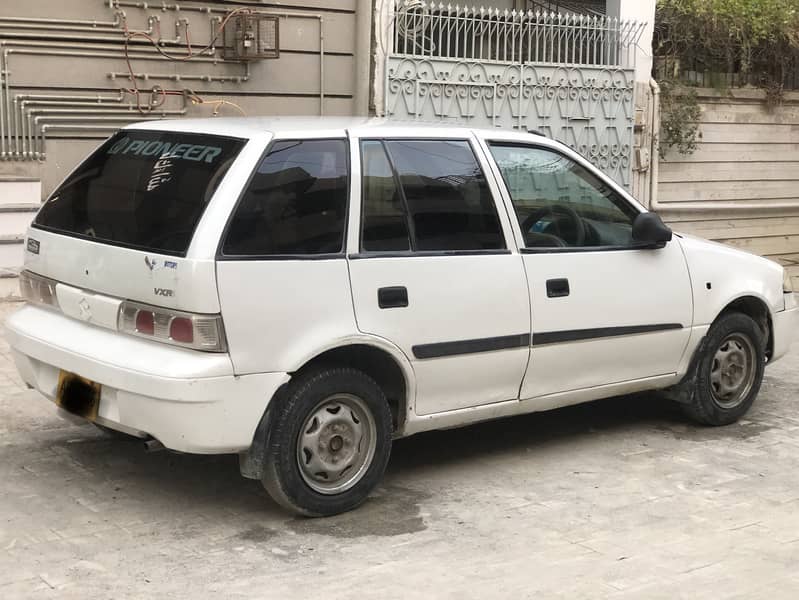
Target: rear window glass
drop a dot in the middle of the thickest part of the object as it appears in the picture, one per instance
(141, 189)
(296, 202)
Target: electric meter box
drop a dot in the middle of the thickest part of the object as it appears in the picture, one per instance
(251, 37)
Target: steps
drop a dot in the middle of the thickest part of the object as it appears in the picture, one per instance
(20, 198)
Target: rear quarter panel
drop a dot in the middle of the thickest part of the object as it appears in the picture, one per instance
(280, 313)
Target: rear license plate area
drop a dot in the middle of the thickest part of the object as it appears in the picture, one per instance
(78, 395)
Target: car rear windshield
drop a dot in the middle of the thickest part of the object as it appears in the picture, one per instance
(141, 189)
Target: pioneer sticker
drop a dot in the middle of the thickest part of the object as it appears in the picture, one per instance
(166, 150)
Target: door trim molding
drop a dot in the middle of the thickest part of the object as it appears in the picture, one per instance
(442, 349)
(579, 335)
(508, 342)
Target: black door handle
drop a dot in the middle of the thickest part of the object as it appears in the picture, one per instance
(557, 288)
(392, 297)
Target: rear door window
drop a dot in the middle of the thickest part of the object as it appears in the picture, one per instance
(141, 189)
(295, 204)
(429, 194)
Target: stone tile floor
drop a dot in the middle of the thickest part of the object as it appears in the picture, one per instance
(617, 499)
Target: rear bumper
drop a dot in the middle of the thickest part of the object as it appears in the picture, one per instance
(786, 327)
(190, 401)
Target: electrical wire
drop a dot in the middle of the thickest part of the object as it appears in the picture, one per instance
(193, 97)
(217, 104)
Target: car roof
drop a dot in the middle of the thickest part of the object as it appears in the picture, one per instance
(249, 127)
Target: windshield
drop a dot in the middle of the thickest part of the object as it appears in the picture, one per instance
(141, 189)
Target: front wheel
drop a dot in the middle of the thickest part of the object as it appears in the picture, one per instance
(729, 371)
(329, 442)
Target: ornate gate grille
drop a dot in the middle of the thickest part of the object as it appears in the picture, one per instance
(569, 76)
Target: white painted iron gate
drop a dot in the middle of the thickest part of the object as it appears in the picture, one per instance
(570, 77)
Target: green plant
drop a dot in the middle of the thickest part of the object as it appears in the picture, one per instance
(679, 118)
(728, 43)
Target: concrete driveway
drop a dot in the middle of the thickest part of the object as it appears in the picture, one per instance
(617, 499)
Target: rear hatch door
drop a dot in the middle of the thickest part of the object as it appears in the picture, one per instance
(122, 223)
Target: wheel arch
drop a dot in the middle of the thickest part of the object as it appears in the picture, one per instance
(758, 310)
(387, 365)
(377, 357)
(752, 305)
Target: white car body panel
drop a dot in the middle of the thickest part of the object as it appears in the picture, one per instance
(274, 319)
(190, 401)
(731, 274)
(486, 412)
(628, 288)
(124, 273)
(446, 303)
(280, 314)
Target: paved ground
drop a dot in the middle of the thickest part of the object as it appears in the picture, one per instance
(617, 499)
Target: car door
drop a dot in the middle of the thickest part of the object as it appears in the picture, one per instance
(433, 273)
(604, 312)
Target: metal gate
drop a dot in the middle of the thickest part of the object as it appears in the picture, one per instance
(570, 77)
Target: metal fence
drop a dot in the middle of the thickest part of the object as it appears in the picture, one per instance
(580, 7)
(507, 36)
(570, 76)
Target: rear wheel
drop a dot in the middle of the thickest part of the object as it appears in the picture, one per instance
(729, 371)
(329, 442)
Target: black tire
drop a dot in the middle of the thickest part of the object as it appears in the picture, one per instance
(705, 405)
(282, 476)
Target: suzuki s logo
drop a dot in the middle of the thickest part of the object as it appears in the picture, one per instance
(85, 309)
(164, 292)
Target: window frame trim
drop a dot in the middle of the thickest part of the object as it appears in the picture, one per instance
(221, 256)
(488, 142)
(474, 146)
(425, 253)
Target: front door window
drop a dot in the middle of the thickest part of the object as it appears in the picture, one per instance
(560, 203)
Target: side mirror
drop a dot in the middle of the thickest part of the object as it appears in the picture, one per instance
(650, 230)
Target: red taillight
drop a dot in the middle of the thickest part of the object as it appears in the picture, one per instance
(188, 330)
(182, 330)
(145, 322)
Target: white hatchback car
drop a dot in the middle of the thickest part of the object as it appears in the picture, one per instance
(301, 291)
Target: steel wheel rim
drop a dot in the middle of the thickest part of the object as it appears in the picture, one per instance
(336, 444)
(732, 371)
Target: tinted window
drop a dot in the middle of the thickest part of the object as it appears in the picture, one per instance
(385, 220)
(447, 198)
(561, 203)
(296, 202)
(144, 189)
